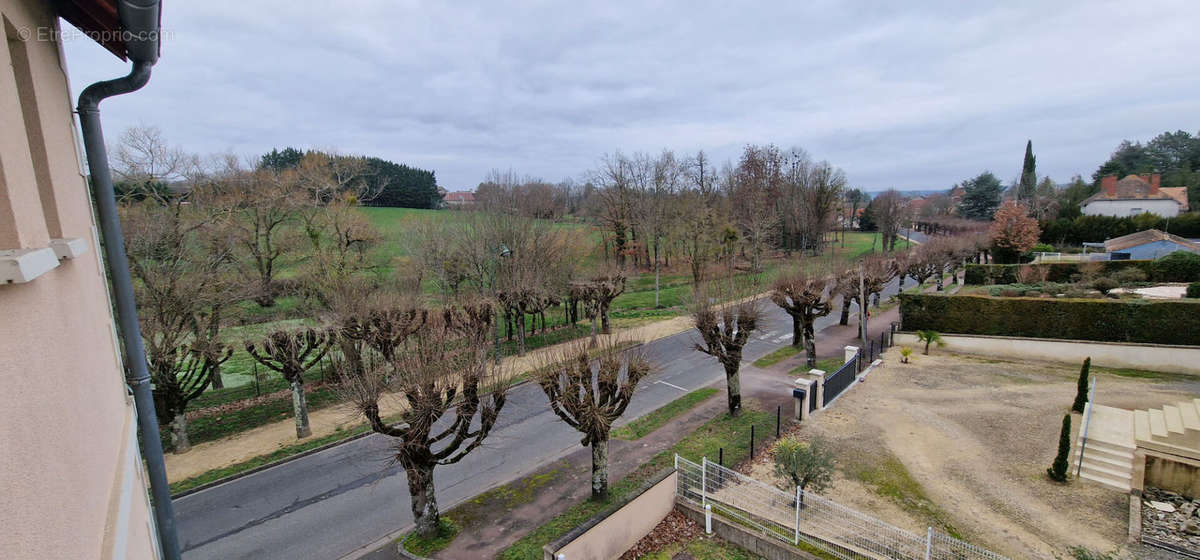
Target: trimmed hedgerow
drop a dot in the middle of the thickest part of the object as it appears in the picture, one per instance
(1163, 322)
(1179, 266)
(1193, 290)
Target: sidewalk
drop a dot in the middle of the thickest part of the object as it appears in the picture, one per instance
(265, 439)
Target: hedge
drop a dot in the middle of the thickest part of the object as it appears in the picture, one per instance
(1110, 320)
(1193, 290)
(1180, 266)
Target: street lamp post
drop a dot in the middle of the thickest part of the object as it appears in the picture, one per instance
(503, 251)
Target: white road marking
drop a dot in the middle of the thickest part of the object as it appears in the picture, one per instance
(672, 385)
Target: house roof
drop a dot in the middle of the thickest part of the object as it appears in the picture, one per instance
(1144, 237)
(460, 196)
(1178, 193)
(97, 19)
(1131, 187)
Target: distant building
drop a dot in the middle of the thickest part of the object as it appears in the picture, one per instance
(1134, 195)
(460, 198)
(1148, 245)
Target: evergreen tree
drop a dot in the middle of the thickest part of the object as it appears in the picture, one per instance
(1058, 471)
(981, 197)
(278, 160)
(1082, 390)
(1028, 185)
(401, 186)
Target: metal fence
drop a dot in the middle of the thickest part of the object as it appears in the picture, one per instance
(818, 522)
(841, 379)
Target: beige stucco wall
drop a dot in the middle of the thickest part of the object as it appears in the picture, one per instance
(1153, 357)
(1176, 474)
(610, 538)
(64, 415)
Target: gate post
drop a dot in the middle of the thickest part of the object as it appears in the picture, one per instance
(704, 481)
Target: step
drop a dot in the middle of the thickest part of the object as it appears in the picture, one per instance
(1116, 456)
(1099, 457)
(1122, 485)
(1158, 423)
(1141, 425)
(1191, 419)
(1173, 418)
(1105, 471)
(1114, 448)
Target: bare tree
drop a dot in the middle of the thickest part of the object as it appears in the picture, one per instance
(888, 211)
(143, 156)
(590, 392)
(805, 294)
(697, 232)
(724, 331)
(443, 367)
(263, 206)
(291, 353)
(755, 186)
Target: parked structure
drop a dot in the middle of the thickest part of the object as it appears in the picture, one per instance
(1133, 195)
(1148, 245)
(70, 467)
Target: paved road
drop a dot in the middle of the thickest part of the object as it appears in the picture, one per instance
(329, 504)
(914, 236)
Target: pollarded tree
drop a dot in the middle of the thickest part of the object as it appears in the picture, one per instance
(180, 375)
(439, 369)
(724, 330)
(805, 295)
(291, 353)
(589, 393)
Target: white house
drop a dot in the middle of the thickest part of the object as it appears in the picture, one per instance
(1134, 195)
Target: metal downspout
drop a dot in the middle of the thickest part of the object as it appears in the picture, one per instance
(137, 373)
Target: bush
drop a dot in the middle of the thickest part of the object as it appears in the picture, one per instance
(1042, 248)
(1180, 266)
(1104, 284)
(1130, 276)
(1134, 320)
(1193, 290)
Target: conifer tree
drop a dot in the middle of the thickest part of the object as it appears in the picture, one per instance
(1082, 390)
(1058, 471)
(1028, 185)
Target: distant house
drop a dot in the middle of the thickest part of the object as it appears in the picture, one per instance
(1134, 195)
(1148, 245)
(460, 198)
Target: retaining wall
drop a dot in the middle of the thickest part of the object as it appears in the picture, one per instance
(607, 535)
(1153, 357)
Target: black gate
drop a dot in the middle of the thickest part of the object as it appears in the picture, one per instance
(841, 379)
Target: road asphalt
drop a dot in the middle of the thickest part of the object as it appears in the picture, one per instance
(332, 503)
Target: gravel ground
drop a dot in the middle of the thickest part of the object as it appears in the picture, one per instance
(974, 437)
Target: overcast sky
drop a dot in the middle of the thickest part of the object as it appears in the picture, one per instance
(913, 95)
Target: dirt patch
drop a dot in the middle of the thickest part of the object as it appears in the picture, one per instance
(962, 444)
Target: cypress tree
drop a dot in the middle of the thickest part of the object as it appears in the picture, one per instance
(1082, 390)
(1028, 184)
(1058, 471)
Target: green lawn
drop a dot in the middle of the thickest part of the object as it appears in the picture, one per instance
(654, 420)
(779, 355)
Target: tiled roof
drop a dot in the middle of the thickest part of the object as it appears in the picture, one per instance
(1178, 193)
(1144, 237)
(1131, 187)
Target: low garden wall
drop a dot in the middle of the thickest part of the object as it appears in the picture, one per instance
(608, 534)
(1175, 322)
(1153, 357)
(756, 543)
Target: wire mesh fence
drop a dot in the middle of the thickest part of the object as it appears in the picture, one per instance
(816, 521)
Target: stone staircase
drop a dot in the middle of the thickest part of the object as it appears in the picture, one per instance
(1174, 428)
(1108, 454)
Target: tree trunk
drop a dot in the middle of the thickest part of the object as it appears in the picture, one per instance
(594, 331)
(217, 381)
(423, 499)
(604, 326)
(600, 470)
(901, 276)
(300, 408)
(845, 318)
(810, 344)
(797, 331)
(179, 436)
(733, 389)
(266, 293)
(520, 332)
(656, 283)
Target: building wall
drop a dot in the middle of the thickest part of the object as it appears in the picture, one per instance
(1120, 208)
(1152, 357)
(73, 486)
(1151, 251)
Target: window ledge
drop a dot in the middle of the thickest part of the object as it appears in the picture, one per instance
(68, 248)
(18, 266)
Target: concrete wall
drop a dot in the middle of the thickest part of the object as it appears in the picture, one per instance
(608, 538)
(757, 544)
(1121, 208)
(73, 486)
(1176, 474)
(1154, 357)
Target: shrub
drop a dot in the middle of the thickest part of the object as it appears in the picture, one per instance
(1180, 266)
(988, 274)
(930, 337)
(905, 352)
(807, 464)
(1193, 290)
(1081, 390)
(1104, 284)
(1130, 276)
(1042, 248)
(1135, 320)
(1058, 470)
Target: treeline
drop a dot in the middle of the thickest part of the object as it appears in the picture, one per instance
(386, 183)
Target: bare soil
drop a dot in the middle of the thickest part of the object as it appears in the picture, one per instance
(963, 443)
